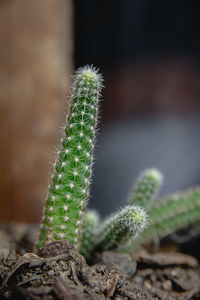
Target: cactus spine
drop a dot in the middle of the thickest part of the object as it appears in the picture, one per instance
(120, 227)
(69, 189)
(146, 188)
(169, 214)
(88, 232)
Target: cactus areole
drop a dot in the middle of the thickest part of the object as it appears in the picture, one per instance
(69, 190)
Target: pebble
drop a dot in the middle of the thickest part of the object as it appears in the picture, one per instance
(123, 261)
(51, 273)
(167, 285)
(174, 273)
(138, 279)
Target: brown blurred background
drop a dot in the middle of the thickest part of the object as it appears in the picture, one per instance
(35, 68)
(148, 52)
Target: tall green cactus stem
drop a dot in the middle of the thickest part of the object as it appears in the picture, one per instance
(88, 232)
(120, 227)
(69, 189)
(146, 188)
(169, 214)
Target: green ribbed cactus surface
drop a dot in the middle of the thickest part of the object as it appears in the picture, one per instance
(120, 227)
(146, 188)
(169, 214)
(88, 232)
(69, 189)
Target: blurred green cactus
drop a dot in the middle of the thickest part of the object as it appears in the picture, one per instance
(169, 214)
(88, 232)
(146, 188)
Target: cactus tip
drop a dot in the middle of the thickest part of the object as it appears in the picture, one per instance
(90, 72)
(139, 217)
(154, 173)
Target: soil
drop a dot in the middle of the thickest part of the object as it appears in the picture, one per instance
(57, 271)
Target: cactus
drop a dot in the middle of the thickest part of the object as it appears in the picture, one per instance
(88, 232)
(69, 189)
(120, 227)
(169, 214)
(146, 188)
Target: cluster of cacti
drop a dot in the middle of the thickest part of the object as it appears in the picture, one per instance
(169, 214)
(69, 189)
(68, 193)
(63, 216)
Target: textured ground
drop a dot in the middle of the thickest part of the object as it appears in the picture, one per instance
(59, 272)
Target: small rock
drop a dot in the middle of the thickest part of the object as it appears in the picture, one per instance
(166, 259)
(148, 285)
(174, 273)
(167, 285)
(51, 273)
(138, 279)
(123, 261)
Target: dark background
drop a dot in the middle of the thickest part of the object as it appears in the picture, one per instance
(111, 33)
(148, 52)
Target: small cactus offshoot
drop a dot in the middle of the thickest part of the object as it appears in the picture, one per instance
(120, 227)
(146, 188)
(88, 232)
(69, 190)
(126, 229)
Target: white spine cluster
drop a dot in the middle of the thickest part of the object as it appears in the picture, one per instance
(121, 227)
